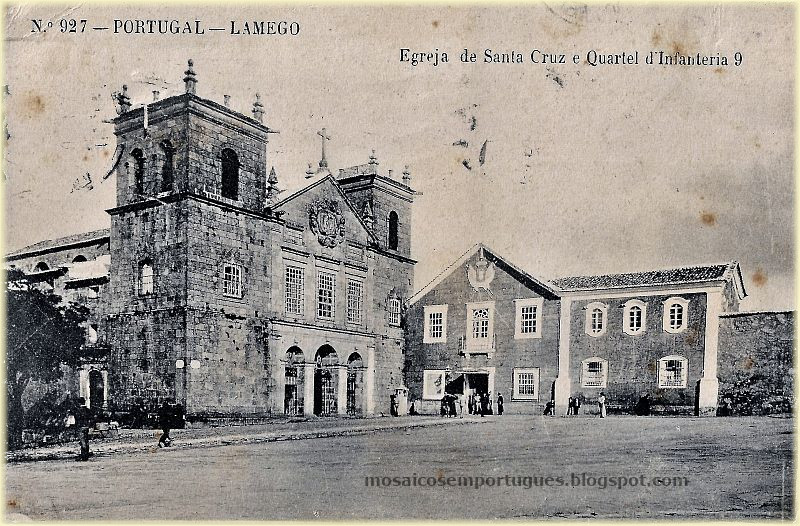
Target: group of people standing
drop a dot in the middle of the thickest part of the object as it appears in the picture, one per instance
(477, 404)
(574, 405)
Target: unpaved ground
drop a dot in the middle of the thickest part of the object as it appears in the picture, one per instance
(732, 468)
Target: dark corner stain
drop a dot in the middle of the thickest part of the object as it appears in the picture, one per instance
(435, 23)
(760, 277)
(719, 71)
(708, 218)
(106, 153)
(85, 158)
(12, 503)
(651, 367)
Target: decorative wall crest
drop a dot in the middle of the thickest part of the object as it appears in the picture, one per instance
(480, 273)
(327, 222)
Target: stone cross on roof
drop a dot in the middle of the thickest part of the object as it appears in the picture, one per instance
(323, 162)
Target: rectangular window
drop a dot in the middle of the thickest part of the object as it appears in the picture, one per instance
(435, 330)
(433, 384)
(480, 323)
(325, 295)
(436, 327)
(480, 328)
(528, 319)
(295, 290)
(394, 312)
(672, 372)
(675, 316)
(354, 301)
(232, 280)
(526, 384)
(594, 373)
(528, 324)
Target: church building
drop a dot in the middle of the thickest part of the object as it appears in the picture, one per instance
(218, 290)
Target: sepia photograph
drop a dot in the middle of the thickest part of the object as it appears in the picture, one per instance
(392, 262)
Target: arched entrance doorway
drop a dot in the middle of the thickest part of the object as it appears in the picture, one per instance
(355, 385)
(293, 382)
(96, 390)
(325, 380)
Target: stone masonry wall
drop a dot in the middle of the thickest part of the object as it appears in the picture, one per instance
(755, 361)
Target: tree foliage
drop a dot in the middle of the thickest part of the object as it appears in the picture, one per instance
(42, 333)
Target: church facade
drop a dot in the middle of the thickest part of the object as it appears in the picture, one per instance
(220, 291)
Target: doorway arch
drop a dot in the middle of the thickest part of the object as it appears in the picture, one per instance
(355, 385)
(325, 381)
(293, 382)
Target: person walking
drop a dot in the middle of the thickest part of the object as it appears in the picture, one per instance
(165, 422)
(601, 402)
(84, 419)
(499, 403)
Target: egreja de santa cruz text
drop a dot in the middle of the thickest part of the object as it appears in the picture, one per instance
(592, 57)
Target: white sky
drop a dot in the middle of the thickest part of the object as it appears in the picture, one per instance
(588, 170)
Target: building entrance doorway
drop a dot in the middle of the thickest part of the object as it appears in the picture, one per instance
(96, 389)
(293, 382)
(325, 395)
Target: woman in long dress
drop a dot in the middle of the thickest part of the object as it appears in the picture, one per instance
(601, 401)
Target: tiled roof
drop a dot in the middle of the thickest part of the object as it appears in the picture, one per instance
(50, 244)
(651, 277)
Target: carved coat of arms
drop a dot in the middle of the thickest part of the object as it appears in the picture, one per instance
(327, 222)
(480, 273)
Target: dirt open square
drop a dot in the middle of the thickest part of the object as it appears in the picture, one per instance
(715, 468)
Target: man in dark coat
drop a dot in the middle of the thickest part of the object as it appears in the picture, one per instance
(165, 416)
(499, 404)
(84, 419)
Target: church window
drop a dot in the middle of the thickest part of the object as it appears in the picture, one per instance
(230, 174)
(325, 295)
(392, 221)
(526, 383)
(435, 324)
(138, 170)
(355, 293)
(394, 311)
(675, 314)
(168, 168)
(672, 372)
(594, 372)
(633, 317)
(480, 326)
(295, 280)
(232, 280)
(528, 323)
(596, 319)
(80, 258)
(146, 277)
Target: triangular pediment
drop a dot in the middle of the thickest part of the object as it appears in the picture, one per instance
(480, 264)
(322, 207)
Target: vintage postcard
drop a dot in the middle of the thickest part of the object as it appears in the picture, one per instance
(384, 262)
